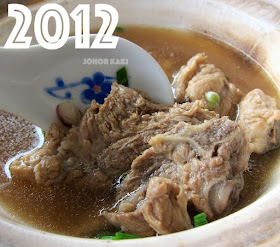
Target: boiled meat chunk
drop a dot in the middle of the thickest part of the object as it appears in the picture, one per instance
(204, 161)
(106, 142)
(160, 206)
(260, 119)
(165, 207)
(198, 77)
(131, 223)
(65, 157)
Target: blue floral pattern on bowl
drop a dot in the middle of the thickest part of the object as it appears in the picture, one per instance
(99, 87)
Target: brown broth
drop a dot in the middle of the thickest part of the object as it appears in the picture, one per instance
(74, 212)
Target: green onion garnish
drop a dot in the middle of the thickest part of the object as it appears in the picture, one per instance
(119, 236)
(200, 220)
(108, 237)
(213, 100)
(105, 233)
(122, 77)
(227, 78)
(119, 30)
(43, 132)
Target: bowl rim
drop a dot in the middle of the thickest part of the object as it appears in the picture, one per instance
(255, 232)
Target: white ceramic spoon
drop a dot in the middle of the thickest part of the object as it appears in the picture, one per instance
(34, 81)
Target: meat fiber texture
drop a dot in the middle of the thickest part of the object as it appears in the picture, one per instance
(106, 142)
(260, 119)
(179, 158)
(200, 164)
(198, 77)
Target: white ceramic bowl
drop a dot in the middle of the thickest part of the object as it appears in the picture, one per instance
(251, 26)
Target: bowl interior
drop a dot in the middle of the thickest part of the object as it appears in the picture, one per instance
(250, 26)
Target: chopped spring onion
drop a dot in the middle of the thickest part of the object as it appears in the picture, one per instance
(43, 132)
(119, 30)
(227, 78)
(213, 100)
(122, 77)
(200, 220)
(119, 236)
(108, 237)
(105, 234)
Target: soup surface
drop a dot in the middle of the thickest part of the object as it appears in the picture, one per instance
(76, 212)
